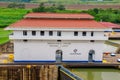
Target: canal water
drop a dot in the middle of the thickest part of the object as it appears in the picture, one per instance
(97, 73)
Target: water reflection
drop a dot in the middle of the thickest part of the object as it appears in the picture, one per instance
(97, 74)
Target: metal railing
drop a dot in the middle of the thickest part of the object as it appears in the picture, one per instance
(65, 74)
(112, 43)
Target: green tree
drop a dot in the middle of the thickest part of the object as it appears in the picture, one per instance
(15, 5)
(52, 8)
(12, 5)
(96, 10)
(61, 7)
(41, 7)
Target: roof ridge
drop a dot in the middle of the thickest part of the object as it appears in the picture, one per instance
(58, 16)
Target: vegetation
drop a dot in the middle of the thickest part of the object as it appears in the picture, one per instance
(54, 8)
(4, 36)
(108, 15)
(15, 5)
(68, 1)
(10, 15)
(78, 1)
(16, 0)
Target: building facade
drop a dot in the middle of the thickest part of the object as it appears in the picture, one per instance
(115, 33)
(55, 37)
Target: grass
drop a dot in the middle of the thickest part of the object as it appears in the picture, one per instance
(7, 17)
(4, 36)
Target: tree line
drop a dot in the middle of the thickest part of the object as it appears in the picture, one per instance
(108, 15)
(52, 8)
(7, 17)
(16, 5)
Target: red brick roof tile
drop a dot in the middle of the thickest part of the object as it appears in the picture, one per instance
(110, 25)
(48, 23)
(59, 15)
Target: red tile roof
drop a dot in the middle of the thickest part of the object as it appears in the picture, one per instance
(110, 25)
(49, 23)
(59, 15)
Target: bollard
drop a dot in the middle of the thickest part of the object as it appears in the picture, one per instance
(10, 57)
(118, 66)
(5, 61)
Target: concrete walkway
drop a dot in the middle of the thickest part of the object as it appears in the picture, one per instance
(4, 58)
(111, 59)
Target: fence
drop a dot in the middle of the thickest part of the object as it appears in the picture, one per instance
(28, 72)
(65, 74)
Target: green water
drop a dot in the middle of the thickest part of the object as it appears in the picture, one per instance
(97, 73)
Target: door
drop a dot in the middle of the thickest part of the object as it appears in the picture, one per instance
(59, 56)
(90, 55)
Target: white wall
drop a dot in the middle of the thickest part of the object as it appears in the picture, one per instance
(83, 47)
(36, 50)
(100, 33)
(33, 50)
(65, 35)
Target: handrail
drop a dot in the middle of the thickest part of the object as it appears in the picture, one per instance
(112, 43)
(69, 74)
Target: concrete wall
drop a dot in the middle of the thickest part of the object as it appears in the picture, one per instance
(41, 50)
(7, 48)
(29, 72)
(65, 35)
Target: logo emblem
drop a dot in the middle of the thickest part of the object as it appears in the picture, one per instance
(75, 50)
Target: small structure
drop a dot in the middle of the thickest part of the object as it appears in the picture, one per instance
(99, 0)
(112, 54)
(118, 60)
(115, 33)
(51, 37)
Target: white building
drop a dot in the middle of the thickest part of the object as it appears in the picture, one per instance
(115, 32)
(51, 37)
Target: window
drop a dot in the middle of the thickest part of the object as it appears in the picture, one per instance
(25, 33)
(25, 40)
(92, 40)
(33, 33)
(50, 33)
(84, 33)
(75, 33)
(58, 33)
(92, 33)
(42, 33)
(58, 40)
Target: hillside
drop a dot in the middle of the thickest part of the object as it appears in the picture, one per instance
(68, 1)
(79, 1)
(7, 17)
(75, 0)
